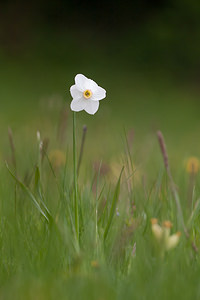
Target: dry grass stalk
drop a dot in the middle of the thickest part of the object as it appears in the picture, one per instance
(12, 147)
(173, 186)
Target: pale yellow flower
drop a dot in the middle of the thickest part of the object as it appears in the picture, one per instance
(192, 165)
(131, 172)
(57, 158)
(173, 240)
(162, 235)
(94, 264)
(157, 230)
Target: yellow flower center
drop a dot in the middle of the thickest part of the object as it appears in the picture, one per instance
(87, 94)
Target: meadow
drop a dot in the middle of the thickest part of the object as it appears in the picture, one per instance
(122, 180)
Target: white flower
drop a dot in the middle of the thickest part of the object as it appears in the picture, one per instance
(86, 95)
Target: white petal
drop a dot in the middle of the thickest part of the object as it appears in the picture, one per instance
(91, 85)
(75, 92)
(99, 94)
(78, 104)
(80, 81)
(91, 106)
(83, 83)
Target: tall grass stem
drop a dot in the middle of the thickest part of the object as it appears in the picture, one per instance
(173, 187)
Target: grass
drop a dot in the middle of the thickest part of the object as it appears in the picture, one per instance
(117, 257)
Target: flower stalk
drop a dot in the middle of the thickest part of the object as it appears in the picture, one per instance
(75, 179)
(86, 95)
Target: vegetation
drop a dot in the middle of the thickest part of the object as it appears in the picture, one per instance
(126, 177)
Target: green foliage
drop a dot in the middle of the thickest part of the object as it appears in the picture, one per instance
(117, 257)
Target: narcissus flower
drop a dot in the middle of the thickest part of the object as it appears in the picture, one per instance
(162, 235)
(86, 95)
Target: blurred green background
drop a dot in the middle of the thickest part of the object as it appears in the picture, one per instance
(144, 53)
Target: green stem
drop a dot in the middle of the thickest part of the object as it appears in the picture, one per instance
(75, 178)
(96, 209)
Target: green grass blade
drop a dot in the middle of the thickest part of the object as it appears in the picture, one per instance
(39, 189)
(194, 214)
(113, 205)
(28, 192)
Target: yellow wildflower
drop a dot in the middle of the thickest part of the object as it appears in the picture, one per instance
(94, 264)
(57, 158)
(163, 237)
(156, 229)
(173, 240)
(193, 165)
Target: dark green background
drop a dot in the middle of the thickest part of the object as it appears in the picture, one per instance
(144, 53)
